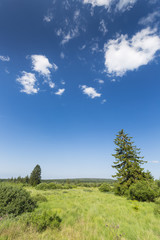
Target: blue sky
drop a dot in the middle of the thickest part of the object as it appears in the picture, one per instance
(72, 74)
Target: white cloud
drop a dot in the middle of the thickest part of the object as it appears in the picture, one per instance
(150, 18)
(60, 91)
(55, 67)
(76, 15)
(28, 81)
(95, 48)
(153, 161)
(99, 3)
(59, 32)
(123, 54)
(70, 35)
(42, 65)
(90, 91)
(103, 101)
(83, 47)
(63, 82)
(100, 81)
(120, 5)
(113, 80)
(125, 4)
(48, 18)
(51, 84)
(5, 58)
(62, 55)
(102, 27)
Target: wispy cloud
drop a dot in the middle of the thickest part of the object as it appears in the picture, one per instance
(62, 55)
(113, 80)
(102, 27)
(70, 35)
(95, 48)
(120, 5)
(150, 18)
(100, 81)
(48, 18)
(90, 91)
(125, 4)
(28, 82)
(60, 91)
(124, 54)
(103, 101)
(4, 58)
(94, 3)
(154, 161)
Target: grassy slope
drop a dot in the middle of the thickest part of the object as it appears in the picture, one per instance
(90, 216)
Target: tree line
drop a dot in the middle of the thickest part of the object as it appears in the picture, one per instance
(34, 178)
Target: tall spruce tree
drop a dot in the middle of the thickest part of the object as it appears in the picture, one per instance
(127, 162)
(35, 177)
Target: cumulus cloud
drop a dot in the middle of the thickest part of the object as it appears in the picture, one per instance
(5, 58)
(60, 91)
(124, 54)
(41, 65)
(90, 91)
(28, 81)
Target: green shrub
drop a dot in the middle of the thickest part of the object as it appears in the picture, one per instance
(144, 191)
(39, 198)
(15, 200)
(42, 220)
(42, 186)
(105, 187)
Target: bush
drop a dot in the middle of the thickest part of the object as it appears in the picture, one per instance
(15, 200)
(39, 198)
(42, 186)
(43, 220)
(144, 191)
(105, 187)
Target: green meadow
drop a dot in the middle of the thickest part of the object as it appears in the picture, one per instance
(88, 214)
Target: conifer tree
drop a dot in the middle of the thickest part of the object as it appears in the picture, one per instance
(127, 162)
(35, 177)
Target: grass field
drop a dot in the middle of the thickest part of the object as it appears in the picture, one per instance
(88, 214)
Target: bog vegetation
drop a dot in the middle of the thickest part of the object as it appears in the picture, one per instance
(84, 209)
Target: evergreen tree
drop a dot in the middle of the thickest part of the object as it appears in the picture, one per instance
(35, 177)
(127, 162)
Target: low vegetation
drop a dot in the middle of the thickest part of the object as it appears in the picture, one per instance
(15, 200)
(125, 209)
(84, 215)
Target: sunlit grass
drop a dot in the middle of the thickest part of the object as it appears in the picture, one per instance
(90, 215)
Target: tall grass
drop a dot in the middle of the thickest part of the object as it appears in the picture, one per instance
(89, 215)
